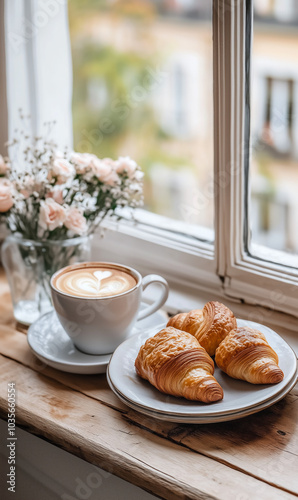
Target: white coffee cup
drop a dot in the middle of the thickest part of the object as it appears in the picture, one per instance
(97, 325)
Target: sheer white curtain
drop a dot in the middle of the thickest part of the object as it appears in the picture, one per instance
(38, 65)
(3, 100)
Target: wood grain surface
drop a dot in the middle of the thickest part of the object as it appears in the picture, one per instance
(252, 458)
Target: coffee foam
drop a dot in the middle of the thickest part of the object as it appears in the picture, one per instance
(94, 282)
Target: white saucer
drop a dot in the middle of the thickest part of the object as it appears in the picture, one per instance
(51, 344)
(239, 396)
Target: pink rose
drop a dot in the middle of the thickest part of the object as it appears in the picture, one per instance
(125, 165)
(82, 161)
(6, 200)
(63, 170)
(25, 193)
(51, 214)
(4, 167)
(112, 178)
(56, 194)
(104, 171)
(100, 169)
(75, 221)
(109, 161)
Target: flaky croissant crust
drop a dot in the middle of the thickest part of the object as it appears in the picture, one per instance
(175, 363)
(209, 325)
(246, 355)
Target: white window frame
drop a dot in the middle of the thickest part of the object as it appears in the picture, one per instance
(225, 268)
(247, 278)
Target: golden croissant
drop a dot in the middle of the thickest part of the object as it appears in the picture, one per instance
(246, 355)
(209, 325)
(175, 363)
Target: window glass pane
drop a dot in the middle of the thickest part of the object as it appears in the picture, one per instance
(143, 87)
(274, 129)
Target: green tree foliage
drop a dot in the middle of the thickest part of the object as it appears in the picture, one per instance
(125, 106)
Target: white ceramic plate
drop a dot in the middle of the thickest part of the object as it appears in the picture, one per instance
(238, 395)
(205, 419)
(51, 344)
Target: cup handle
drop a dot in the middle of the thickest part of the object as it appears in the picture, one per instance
(154, 278)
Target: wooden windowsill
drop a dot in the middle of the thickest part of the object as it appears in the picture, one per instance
(255, 457)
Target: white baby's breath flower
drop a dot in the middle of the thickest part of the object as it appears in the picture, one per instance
(59, 154)
(136, 187)
(138, 176)
(76, 184)
(89, 202)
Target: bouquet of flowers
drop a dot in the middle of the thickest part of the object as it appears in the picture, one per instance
(46, 194)
(51, 201)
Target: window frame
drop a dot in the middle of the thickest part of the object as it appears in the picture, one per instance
(246, 277)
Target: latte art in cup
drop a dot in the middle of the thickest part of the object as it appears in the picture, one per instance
(98, 303)
(95, 282)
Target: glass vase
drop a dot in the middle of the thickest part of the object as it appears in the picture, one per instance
(29, 266)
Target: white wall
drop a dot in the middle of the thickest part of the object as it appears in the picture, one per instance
(45, 472)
